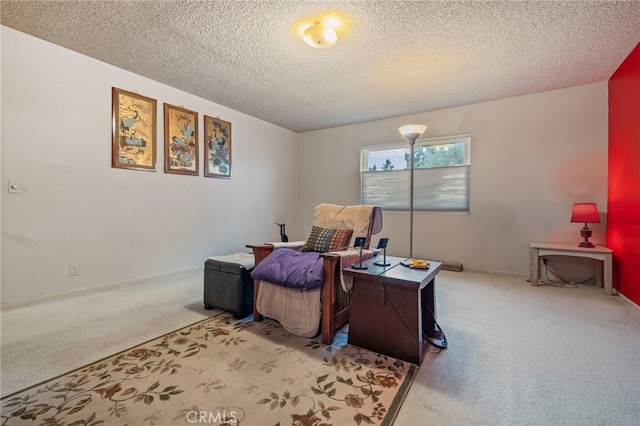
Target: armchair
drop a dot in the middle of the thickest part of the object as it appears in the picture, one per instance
(332, 301)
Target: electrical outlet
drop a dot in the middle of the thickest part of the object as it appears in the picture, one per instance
(74, 269)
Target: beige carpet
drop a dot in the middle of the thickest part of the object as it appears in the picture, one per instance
(518, 355)
(224, 371)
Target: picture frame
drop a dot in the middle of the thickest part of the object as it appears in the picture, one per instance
(133, 133)
(217, 147)
(180, 140)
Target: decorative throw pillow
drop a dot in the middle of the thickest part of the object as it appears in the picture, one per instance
(323, 240)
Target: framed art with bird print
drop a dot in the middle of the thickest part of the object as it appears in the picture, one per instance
(180, 140)
(217, 149)
(133, 131)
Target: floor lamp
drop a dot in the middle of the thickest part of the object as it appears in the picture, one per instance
(411, 132)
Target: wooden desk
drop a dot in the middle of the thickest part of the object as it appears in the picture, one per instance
(603, 256)
(390, 308)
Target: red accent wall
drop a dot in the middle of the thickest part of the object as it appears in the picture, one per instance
(623, 208)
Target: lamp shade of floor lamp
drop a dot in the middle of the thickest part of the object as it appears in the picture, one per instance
(411, 132)
(585, 213)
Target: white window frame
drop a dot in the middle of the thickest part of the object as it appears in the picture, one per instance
(436, 189)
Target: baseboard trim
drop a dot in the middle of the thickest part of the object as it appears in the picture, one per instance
(491, 271)
(629, 302)
(99, 288)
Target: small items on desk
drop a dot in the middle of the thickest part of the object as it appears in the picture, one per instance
(419, 264)
(359, 242)
(382, 244)
(415, 263)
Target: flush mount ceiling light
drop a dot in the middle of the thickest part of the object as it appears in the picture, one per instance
(320, 35)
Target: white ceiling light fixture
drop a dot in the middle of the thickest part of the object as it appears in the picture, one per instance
(320, 35)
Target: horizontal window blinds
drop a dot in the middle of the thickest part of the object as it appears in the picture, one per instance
(435, 189)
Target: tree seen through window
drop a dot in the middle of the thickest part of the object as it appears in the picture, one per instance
(426, 156)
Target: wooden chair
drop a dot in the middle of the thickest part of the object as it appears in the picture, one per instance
(336, 302)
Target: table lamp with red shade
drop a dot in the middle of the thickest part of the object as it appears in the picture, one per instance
(585, 213)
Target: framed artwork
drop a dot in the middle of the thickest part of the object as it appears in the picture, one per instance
(133, 131)
(217, 150)
(180, 140)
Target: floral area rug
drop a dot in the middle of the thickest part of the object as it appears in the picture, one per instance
(225, 372)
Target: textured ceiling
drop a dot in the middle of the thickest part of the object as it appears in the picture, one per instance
(392, 57)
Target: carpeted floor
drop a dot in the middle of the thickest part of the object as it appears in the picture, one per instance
(224, 371)
(517, 354)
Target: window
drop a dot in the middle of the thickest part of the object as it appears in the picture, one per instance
(441, 174)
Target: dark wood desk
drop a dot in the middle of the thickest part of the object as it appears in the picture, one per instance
(390, 308)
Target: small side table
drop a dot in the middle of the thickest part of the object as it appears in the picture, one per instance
(393, 308)
(603, 255)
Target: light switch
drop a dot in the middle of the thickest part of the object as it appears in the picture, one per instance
(15, 186)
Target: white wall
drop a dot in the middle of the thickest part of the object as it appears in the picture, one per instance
(532, 157)
(119, 224)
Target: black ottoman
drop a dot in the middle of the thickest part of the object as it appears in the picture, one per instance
(228, 284)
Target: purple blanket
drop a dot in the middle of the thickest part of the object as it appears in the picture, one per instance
(291, 268)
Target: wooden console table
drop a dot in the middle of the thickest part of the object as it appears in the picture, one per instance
(603, 256)
(391, 308)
